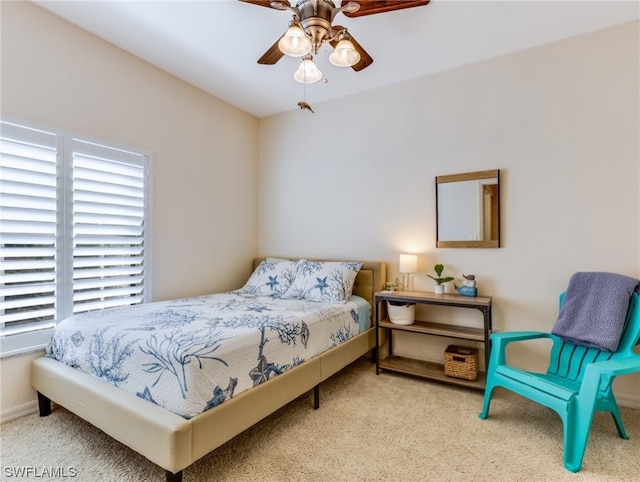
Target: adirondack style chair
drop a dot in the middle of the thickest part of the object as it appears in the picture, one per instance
(577, 382)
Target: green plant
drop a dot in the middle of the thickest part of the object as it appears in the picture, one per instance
(439, 268)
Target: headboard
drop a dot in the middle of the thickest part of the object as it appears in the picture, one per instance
(370, 279)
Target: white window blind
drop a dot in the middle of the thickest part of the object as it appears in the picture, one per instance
(73, 231)
(28, 229)
(108, 227)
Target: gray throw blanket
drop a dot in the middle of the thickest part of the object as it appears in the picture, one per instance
(594, 309)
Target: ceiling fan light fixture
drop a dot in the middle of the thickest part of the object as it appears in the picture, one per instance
(294, 42)
(307, 72)
(344, 55)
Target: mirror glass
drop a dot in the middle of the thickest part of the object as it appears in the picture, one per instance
(468, 210)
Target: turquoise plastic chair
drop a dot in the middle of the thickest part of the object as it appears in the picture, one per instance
(576, 384)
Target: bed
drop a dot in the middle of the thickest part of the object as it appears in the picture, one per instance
(174, 441)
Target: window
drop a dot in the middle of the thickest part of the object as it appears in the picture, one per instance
(74, 230)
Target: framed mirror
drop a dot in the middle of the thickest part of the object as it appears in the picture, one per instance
(468, 210)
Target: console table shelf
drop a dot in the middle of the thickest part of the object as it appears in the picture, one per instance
(427, 369)
(430, 370)
(439, 329)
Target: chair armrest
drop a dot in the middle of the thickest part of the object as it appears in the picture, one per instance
(598, 376)
(499, 342)
(615, 367)
(509, 336)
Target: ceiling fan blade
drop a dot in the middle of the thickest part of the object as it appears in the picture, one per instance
(369, 7)
(262, 3)
(272, 55)
(365, 59)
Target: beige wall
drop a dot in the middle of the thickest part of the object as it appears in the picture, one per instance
(205, 170)
(356, 179)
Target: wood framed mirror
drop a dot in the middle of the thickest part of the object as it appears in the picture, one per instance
(468, 210)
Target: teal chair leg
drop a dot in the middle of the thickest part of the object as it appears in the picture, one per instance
(619, 426)
(609, 405)
(497, 357)
(578, 424)
(576, 434)
(488, 392)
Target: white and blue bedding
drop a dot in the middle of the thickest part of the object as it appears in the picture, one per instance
(192, 354)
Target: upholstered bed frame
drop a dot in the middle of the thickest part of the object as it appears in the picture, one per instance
(173, 442)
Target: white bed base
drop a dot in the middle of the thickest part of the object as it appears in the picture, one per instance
(173, 442)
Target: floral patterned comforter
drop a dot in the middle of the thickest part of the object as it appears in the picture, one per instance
(192, 354)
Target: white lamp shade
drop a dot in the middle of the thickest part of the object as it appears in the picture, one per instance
(294, 42)
(344, 55)
(408, 263)
(307, 72)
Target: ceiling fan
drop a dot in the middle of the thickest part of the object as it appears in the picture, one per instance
(312, 25)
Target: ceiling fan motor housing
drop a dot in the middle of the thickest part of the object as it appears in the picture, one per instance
(316, 17)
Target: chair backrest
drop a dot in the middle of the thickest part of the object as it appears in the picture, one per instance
(631, 334)
(570, 361)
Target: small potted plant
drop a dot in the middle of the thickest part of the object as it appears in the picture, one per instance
(440, 281)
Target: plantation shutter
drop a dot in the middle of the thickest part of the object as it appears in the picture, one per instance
(29, 172)
(74, 219)
(108, 212)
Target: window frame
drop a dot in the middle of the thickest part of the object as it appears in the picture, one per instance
(36, 338)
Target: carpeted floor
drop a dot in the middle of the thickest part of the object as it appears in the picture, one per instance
(368, 427)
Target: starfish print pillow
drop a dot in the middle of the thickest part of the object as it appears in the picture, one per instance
(330, 281)
(270, 278)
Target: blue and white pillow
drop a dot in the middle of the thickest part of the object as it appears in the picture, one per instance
(270, 278)
(324, 281)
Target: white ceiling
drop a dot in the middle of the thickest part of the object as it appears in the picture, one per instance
(215, 44)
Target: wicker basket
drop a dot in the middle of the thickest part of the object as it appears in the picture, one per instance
(461, 362)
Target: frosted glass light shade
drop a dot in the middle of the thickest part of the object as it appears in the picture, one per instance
(408, 263)
(307, 72)
(294, 42)
(344, 55)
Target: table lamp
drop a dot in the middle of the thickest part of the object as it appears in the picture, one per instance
(408, 266)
